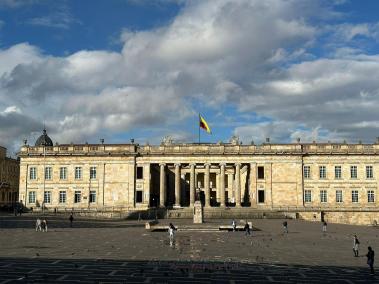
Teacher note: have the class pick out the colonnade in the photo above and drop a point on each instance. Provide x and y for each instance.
(192, 185)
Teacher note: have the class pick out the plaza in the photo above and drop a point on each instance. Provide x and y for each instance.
(115, 251)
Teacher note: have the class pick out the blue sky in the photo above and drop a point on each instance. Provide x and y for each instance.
(144, 69)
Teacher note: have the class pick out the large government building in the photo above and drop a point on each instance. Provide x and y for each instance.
(9, 178)
(311, 180)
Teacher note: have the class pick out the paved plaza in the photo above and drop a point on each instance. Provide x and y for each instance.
(114, 251)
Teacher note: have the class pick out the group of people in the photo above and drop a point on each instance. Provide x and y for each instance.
(41, 225)
(370, 254)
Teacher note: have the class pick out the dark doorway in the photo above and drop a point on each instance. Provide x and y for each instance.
(261, 196)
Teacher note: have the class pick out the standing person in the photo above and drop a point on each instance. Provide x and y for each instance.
(234, 225)
(44, 225)
(370, 259)
(38, 225)
(171, 229)
(71, 219)
(247, 229)
(324, 225)
(356, 246)
(285, 227)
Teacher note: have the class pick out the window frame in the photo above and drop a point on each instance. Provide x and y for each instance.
(47, 197)
(307, 172)
(369, 172)
(322, 172)
(353, 172)
(323, 196)
(32, 196)
(63, 173)
(77, 196)
(307, 196)
(338, 172)
(78, 173)
(33, 173)
(370, 196)
(62, 193)
(93, 172)
(339, 196)
(354, 193)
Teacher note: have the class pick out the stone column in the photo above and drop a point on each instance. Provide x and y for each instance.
(253, 184)
(177, 185)
(162, 186)
(222, 185)
(206, 186)
(238, 185)
(192, 185)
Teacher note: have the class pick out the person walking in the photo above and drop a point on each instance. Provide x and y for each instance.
(38, 225)
(285, 227)
(370, 259)
(356, 246)
(247, 229)
(71, 218)
(234, 225)
(324, 225)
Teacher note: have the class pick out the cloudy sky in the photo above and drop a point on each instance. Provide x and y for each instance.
(144, 69)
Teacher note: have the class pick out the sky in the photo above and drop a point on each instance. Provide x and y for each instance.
(145, 69)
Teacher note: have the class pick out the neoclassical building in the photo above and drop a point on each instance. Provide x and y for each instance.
(9, 179)
(307, 179)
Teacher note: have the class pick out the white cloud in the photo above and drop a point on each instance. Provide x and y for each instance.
(255, 55)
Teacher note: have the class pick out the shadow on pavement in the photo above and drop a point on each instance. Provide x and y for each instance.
(38, 270)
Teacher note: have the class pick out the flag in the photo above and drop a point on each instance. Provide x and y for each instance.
(204, 124)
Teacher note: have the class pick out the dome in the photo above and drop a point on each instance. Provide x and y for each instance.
(44, 140)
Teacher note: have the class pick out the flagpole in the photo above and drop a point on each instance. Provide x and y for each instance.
(199, 127)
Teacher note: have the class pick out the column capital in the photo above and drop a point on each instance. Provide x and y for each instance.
(222, 164)
(237, 164)
(177, 164)
(192, 164)
(207, 164)
(162, 164)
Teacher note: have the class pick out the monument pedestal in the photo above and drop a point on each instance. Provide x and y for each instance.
(197, 213)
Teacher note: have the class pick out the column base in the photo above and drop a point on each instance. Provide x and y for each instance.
(176, 206)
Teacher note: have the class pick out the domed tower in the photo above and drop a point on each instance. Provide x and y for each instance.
(44, 140)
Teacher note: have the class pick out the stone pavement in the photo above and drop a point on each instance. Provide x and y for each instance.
(110, 251)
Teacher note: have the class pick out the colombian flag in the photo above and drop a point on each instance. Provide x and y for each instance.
(204, 124)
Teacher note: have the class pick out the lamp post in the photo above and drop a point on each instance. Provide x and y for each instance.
(44, 174)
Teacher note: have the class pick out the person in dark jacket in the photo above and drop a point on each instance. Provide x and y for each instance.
(370, 259)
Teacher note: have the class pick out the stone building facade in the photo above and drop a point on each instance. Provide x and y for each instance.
(9, 179)
(338, 181)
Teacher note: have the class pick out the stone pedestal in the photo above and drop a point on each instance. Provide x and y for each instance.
(197, 213)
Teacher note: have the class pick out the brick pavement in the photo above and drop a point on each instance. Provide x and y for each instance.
(104, 251)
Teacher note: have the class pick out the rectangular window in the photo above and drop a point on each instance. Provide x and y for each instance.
(261, 196)
(261, 172)
(139, 172)
(63, 173)
(92, 173)
(338, 196)
(139, 196)
(33, 173)
(307, 196)
(354, 196)
(307, 172)
(48, 171)
(32, 197)
(92, 196)
(353, 171)
(337, 172)
(323, 196)
(47, 198)
(78, 196)
(78, 173)
(62, 196)
(369, 172)
(370, 196)
(322, 172)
